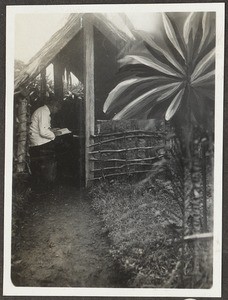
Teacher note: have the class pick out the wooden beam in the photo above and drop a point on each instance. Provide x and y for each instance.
(58, 79)
(117, 37)
(88, 40)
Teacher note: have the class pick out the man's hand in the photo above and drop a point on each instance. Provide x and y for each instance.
(56, 131)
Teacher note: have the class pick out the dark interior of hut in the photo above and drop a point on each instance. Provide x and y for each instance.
(72, 114)
(70, 147)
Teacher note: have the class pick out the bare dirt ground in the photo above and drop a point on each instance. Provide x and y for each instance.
(60, 243)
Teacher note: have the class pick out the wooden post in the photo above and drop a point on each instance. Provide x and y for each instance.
(58, 79)
(88, 40)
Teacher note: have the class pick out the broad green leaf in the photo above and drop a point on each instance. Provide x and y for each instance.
(190, 49)
(137, 105)
(203, 64)
(121, 87)
(192, 24)
(172, 34)
(135, 90)
(172, 109)
(192, 33)
(205, 78)
(158, 109)
(150, 62)
(205, 50)
(151, 42)
(143, 112)
(208, 30)
(169, 92)
(117, 91)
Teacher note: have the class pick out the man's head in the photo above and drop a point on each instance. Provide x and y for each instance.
(54, 105)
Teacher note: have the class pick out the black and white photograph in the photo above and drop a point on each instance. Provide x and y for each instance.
(113, 150)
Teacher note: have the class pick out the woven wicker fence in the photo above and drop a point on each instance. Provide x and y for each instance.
(126, 148)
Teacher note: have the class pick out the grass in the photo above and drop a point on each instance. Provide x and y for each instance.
(144, 229)
(143, 223)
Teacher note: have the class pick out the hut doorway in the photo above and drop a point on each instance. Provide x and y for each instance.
(69, 85)
(70, 147)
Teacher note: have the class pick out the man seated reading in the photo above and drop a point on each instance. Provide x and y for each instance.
(42, 145)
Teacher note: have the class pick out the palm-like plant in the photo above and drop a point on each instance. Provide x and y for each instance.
(175, 69)
(171, 76)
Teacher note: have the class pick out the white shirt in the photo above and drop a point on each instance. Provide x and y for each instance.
(39, 131)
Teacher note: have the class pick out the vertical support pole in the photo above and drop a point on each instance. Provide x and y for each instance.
(89, 95)
(58, 79)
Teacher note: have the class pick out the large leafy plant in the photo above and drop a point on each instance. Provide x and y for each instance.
(172, 76)
(173, 72)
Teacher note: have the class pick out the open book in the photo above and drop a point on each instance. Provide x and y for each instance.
(64, 131)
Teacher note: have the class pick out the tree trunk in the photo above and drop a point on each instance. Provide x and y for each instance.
(190, 137)
(196, 178)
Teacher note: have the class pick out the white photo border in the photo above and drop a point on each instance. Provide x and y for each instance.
(215, 291)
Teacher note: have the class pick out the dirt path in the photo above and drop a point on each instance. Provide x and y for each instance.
(61, 244)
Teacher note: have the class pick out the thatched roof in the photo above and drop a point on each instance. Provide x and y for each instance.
(63, 36)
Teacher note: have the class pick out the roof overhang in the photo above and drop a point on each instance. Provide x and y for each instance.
(62, 37)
